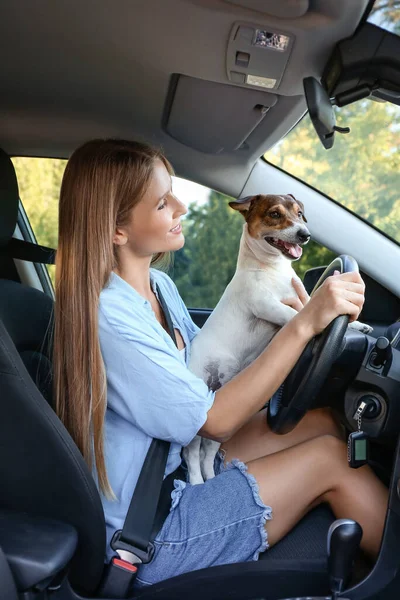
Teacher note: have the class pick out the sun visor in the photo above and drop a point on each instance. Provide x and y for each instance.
(284, 9)
(213, 117)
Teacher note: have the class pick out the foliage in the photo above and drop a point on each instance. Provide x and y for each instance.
(206, 264)
(386, 13)
(361, 171)
(39, 182)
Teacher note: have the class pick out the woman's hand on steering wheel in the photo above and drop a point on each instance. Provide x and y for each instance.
(338, 295)
(323, 320)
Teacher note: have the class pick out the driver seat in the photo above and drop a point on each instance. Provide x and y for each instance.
(43, 475)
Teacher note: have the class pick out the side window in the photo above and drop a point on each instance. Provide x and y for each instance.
(204, 266)
(39, 182)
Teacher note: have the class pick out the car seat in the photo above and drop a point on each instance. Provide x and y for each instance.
(44, 478)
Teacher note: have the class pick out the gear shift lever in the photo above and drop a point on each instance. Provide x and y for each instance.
(344, 537)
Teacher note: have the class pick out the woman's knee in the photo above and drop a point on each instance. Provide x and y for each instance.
(326, 423)
(307, 471)
(331, 452)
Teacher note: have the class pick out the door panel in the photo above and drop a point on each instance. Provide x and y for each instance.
(200, 315)
(8, 590)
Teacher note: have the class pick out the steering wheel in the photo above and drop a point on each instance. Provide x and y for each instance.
(289, 405)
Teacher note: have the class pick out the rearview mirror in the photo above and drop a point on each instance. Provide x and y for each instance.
(321, 112)
(364, 65)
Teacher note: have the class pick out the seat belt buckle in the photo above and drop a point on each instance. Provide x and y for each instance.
(120, 574)
(130, 553)
(118, 579)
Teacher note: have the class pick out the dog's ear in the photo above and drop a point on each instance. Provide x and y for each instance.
(242, 204)
(301, 206)
(302, 210)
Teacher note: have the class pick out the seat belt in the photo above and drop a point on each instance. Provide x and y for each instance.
(148, 509)
(29, 251)
(23, 250)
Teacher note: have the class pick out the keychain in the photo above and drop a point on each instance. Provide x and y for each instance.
(357, 445)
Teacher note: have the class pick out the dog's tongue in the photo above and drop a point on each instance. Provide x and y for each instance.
(294, 249)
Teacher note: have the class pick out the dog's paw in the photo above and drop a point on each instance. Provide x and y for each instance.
(195, 478)
(208, 473)
(362, 327)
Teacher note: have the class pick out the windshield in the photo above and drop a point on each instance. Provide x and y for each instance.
(386, 14)
(362, 170)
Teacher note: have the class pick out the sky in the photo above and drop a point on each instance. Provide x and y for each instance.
(189, 192)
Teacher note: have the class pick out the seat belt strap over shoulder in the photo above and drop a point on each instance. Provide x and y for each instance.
(133, 543)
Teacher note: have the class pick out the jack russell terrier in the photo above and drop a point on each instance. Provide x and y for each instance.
(250, 310)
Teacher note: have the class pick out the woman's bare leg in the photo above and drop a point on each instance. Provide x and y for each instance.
(294, 480)
(255, 438)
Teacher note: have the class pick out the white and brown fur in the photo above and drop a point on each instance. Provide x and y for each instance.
(250, 310)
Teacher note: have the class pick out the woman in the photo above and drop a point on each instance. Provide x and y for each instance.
(120, 380)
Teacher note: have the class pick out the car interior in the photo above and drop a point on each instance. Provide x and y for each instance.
(216, 84)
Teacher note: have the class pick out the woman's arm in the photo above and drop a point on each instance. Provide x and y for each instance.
(248, 391)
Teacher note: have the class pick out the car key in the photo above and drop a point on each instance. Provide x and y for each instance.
(357, 444)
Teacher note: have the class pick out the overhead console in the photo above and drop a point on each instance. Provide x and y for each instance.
(213, 117)
(257, 55)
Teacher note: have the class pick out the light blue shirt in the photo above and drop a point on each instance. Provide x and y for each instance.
(150, 391)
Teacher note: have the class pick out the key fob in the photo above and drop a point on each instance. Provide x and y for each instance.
(357, 449)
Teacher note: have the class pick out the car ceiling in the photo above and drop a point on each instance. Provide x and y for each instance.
(74, 70)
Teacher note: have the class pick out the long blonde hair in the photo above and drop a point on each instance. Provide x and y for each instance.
(103, 181)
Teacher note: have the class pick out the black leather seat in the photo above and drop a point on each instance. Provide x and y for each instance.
(8, 588)
(43, 474)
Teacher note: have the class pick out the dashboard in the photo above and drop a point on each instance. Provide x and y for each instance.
(368, 370)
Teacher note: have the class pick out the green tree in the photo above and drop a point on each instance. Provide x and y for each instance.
(39, 182)
(207, 262)
(361, 171)
(386, 13)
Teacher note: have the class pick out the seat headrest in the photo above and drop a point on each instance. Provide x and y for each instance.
(9, 198)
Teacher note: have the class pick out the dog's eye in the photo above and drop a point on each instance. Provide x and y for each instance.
(274, 214)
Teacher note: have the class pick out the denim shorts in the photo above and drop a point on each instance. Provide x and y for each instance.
(221, 521)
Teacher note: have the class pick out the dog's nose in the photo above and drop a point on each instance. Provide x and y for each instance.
(303, 236)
